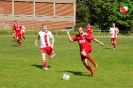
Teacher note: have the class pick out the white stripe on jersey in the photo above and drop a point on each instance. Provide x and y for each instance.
(45, 40)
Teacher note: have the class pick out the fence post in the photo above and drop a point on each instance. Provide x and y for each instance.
(99, 32)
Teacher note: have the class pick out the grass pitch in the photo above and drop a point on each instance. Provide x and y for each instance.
(21, 67)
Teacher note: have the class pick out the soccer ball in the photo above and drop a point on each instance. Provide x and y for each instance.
(65, 76)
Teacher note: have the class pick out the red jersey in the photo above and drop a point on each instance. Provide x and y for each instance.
(18, 30)
(83, 40)
(89, 29)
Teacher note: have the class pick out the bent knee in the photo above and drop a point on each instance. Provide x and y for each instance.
(83, 53)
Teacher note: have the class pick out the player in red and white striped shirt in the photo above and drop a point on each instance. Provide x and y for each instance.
(113, 34)
(84, 41)
(45, 46)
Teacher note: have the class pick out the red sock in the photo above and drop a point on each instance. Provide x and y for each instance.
(89, 68)
(114, 45)
(44, 63)
(89, 58)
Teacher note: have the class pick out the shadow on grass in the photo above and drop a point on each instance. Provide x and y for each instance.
(39, 66)
(76, 73)
(107, 48)
(15, 45)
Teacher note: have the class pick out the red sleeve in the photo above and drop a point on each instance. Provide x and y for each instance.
(90, 37)
(74, 38)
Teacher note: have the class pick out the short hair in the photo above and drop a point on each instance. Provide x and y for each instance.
(43, 25)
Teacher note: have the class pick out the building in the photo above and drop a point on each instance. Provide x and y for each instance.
(56, 14)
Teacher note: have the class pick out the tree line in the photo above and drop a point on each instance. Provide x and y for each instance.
(102, 13)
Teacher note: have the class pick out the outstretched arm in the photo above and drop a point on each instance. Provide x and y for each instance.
(96, 40)
(36, 42)
(69, 37)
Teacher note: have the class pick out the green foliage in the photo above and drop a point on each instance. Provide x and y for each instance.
(5, 32)
(21, 67)
(104, 13)
(82, 14)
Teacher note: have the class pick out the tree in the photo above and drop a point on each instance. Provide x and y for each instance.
(103, 13)
(82, 14)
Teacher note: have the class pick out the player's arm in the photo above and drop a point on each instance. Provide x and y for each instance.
(110, 31)
(69, 37)
(36, 42)
(52, 43)
(117, 30)
(96, 40)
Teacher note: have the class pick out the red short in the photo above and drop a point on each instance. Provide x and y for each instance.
(19, 36)
(47, 50)
(86, 49)
(113, 39)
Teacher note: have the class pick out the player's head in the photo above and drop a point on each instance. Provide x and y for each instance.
(16, 22)
(44, 27)
(80, 30)
(113, 24)
(88, 24)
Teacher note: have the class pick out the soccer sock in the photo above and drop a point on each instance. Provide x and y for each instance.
(44, 63)
(89, 68)
(114, 45)
(89, 58)
(92, 61)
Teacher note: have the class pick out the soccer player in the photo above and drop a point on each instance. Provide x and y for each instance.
(89, 29)
(45, 46)
(113, 34)
(18, 31)
(84, 40)
(23, 31)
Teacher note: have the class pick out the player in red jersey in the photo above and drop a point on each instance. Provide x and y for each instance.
(18, 31)
(89, 29)
(45, 46)
(113, 34)
(84, 40)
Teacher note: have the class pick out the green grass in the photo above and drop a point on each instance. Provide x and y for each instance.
(21, 67)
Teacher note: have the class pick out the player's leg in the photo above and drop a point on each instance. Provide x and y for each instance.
(89, 58)
(23, 37)
(17, 38)
(84, 60)
(14, 36)
(114, 41)
(50, 52)
(20, 39)
(44, 61)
